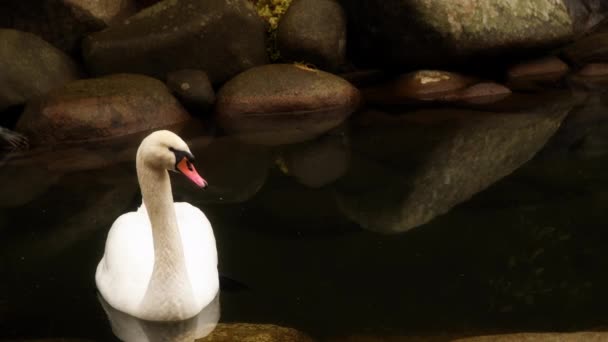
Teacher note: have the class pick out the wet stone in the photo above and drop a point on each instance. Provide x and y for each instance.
(100, 108)
(221, 37)
(284, 103)
(30, 67)
(313, 31)
(193, 88)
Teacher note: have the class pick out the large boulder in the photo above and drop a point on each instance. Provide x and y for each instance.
(284, 103)
(220, 37)
(63, 23)
(437, 32)
(313, 31)
(100, 108)
(424, 163)
(30, 67)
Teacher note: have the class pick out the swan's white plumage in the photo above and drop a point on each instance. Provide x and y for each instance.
(125, 273)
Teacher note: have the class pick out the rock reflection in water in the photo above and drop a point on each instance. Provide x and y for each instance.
(131, 329)
(425, 162)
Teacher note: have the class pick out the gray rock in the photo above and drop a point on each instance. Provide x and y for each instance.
(429, 33)
(97, 108)
(284, 103)
(63, 23)
(424, 163)
(313, 31)
(192, 87)
(30, 67)
(221, 37)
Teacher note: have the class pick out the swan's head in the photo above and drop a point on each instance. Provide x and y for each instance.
(167, 151)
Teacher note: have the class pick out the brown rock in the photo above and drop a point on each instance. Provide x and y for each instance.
(30, 67)
(593, 70)
(99, 108)
(482, 93)
(244, 332)
(284, 103)
(587, 336)
(423, 85)
(552, 66)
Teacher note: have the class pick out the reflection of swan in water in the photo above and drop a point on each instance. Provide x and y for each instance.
(10, 140)
(160, 263)
(131, 329)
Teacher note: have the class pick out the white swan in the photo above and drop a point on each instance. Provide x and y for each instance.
(160, 262)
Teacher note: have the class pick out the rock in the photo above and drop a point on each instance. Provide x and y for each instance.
(192, 87)
(284, 103)
(221, 37)
(589, 49)
(428, 161)
(12, 141)
(482, 93)
(313, 31)
(536, 74)
(587, 336)
(431, 33)
(100, 108)
(30, 67)
(593, 70)
(423, 85)
(107, 12)
(246, 332)
(540, 67)
(319, 162)
(63, 23)
(586, 14)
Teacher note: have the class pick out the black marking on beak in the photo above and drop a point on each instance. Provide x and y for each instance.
(180, 155)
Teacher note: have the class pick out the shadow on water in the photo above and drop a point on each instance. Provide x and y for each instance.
(479, 219)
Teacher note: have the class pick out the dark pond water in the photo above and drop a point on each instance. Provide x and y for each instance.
(365, 230)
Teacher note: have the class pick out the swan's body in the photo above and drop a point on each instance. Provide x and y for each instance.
(160, 262)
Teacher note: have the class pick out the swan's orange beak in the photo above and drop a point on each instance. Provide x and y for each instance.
(186, 167)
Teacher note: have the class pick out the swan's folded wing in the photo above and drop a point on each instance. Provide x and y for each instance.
(129, 255)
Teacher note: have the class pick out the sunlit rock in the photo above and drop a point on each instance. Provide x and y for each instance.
(425, 162)
(284, 103)
(432, 33)
(193, 88)
(313, 31)
(221, 37)
(103, 107)
(318, 162)
(30, 67)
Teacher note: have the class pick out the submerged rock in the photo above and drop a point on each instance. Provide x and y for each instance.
(30, 67)
(437, 32)
(284, 103)
(246, 332)
(192, 87)
(428, 161)
(313, 31)
(99, 108)
(221, 37)
(594, 70)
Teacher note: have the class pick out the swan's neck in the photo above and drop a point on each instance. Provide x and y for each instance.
(169, 284)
